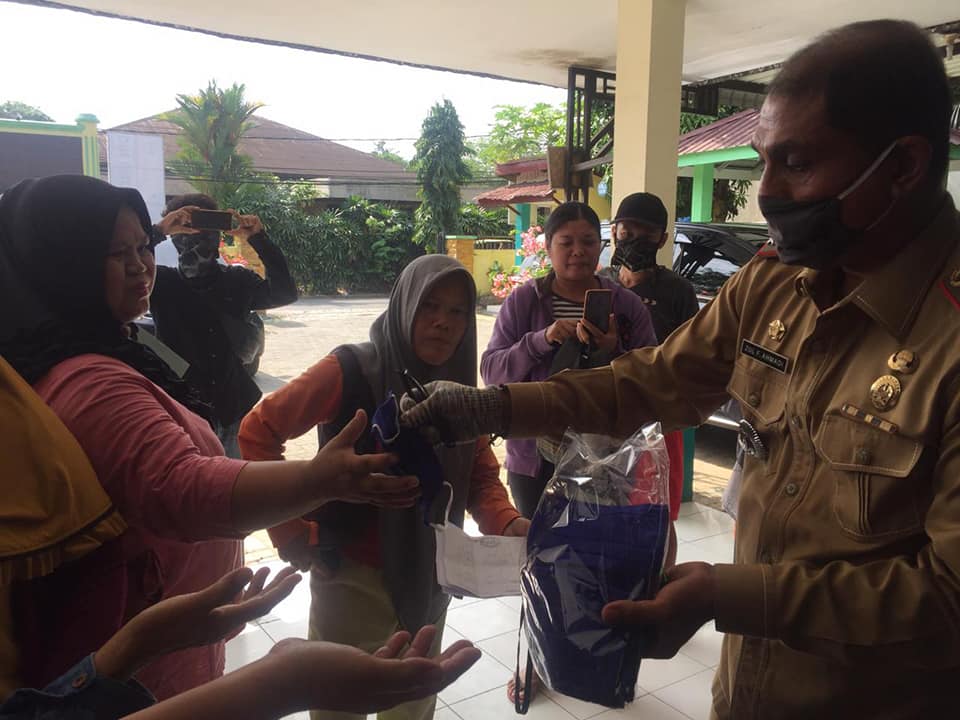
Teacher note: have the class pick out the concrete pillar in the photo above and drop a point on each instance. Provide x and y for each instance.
(701, 207)
(89, 144)
(521, 222)
(647, 112)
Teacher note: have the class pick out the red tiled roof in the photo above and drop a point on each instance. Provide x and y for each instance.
(730, 132)
(516, 193)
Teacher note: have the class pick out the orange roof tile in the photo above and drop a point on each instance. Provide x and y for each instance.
(516, 193)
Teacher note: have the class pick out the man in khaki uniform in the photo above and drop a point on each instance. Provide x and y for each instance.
(843, 347)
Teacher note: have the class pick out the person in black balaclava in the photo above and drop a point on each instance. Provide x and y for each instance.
(204, 310)
(639, 231)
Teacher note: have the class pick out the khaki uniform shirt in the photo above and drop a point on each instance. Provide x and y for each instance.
(844, 599)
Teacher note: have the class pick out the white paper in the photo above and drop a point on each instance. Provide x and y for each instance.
(485, 567)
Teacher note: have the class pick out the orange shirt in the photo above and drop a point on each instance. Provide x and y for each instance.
(314, 398)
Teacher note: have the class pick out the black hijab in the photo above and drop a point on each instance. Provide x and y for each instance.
(55, 233)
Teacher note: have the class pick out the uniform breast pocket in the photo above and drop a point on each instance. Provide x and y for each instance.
(762, 397)
(878, 484)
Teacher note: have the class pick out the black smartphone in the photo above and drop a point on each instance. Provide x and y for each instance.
(211, 220)
(596, 308)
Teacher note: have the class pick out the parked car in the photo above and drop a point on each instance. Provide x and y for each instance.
(707, 254)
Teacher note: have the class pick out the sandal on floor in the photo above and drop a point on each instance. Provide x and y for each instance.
(512, 688)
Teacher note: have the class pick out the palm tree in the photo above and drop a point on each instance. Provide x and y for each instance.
(213, 121)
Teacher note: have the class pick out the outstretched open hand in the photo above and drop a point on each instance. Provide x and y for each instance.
(200, 618)
(339, 473)
(346, 679)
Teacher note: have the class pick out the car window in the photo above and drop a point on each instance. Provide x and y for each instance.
(705, 267)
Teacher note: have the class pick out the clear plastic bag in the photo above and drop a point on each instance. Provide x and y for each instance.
(599, 534)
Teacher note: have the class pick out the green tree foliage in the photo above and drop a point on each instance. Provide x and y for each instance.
(729, 196)
(382, 151)
(361, 246)
(15, 110)
(441, 171)
(475, 220)
(212, 123)
(521, 132)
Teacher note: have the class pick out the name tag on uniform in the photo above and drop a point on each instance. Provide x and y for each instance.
(778, 362)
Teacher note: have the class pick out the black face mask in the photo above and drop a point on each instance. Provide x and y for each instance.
(811, 233)
(197, 253)
(635, 256)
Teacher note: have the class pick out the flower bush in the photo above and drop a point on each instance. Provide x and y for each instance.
(231, 255)
(535, 264)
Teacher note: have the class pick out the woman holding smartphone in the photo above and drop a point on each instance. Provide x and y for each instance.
(542, 328)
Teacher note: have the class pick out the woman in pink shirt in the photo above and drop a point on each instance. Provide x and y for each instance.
(76, 267)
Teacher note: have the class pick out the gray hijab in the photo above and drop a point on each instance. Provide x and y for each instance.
(407, 545)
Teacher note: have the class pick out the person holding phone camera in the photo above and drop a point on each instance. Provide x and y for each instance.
(541, 329)
(205, 311)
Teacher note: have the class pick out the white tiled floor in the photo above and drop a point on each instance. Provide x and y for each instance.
(676, 689)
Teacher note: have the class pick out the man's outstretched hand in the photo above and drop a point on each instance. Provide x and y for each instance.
(453, 412)
(682, 606)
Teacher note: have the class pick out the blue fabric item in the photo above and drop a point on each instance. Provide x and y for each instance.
(78, 694)
(582, 555)
(416, 455)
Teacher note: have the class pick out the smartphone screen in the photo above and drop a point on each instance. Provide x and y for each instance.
(211, 220)
(596, 308)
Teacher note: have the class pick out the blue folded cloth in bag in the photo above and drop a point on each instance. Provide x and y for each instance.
(416, 455)
(582, 555)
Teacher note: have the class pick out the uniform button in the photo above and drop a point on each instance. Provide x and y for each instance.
(80, 680)
(797, 421)
(791, 489)
(753, 399)
(864, 456)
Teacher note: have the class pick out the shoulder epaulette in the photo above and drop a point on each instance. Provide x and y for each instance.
(950, 285)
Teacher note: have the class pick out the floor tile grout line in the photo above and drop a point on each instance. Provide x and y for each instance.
(670, 705)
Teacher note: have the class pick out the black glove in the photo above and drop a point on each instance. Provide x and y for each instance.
(454, 412)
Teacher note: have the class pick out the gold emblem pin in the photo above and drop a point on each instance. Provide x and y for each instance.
(955, 278)
(776, 330)
(885, 392)
(903, 361)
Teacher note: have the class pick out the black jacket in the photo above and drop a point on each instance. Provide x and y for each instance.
(189, 317)
(670, 298)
